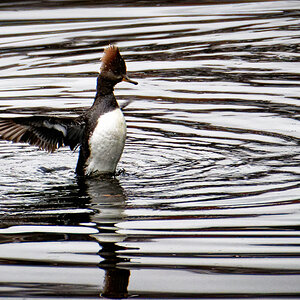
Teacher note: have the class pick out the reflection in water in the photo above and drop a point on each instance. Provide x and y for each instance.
(97, 205)
(107, 197)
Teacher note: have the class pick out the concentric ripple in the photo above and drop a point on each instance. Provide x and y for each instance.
(206, 203)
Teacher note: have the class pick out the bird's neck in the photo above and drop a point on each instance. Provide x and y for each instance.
(104, 86)
(105, 100)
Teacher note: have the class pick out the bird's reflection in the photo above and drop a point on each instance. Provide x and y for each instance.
(107, 198)
(98, 204)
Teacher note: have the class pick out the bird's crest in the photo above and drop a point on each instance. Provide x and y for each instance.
(111, 58)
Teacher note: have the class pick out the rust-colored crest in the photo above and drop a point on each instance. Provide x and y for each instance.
(110, 54)
(112, 59)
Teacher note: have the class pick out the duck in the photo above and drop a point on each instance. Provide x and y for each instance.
(99, 132)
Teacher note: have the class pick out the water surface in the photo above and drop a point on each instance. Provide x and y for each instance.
(207, 201)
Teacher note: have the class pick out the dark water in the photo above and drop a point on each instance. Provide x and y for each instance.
(208, 205)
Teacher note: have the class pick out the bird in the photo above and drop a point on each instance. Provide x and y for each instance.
(99, 132)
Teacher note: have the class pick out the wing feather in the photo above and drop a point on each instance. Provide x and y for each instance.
(48, 133)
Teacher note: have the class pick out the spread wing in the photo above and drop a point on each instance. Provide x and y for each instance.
(48, 133)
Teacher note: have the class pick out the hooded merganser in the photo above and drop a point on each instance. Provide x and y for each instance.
(99, 133)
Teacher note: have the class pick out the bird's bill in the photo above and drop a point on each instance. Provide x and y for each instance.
(127, 79)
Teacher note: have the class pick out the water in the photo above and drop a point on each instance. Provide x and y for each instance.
(207, 205)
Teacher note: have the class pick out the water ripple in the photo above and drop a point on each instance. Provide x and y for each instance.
(208, 193)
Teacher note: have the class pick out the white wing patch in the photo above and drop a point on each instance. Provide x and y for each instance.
(57, 127)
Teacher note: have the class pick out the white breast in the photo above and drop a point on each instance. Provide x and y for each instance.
(107, 143)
